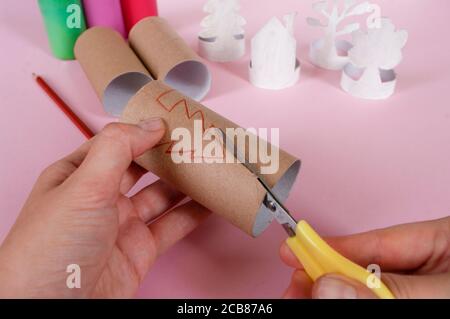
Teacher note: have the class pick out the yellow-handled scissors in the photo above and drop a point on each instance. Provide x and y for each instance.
(316, 256)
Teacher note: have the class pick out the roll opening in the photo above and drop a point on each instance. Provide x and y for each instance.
(191, 78)
(282, 189)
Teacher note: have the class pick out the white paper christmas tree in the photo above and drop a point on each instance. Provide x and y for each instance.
(222, 37)
(274, 64)
(375, 53)
(325, 52)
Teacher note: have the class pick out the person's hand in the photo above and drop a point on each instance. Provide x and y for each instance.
(78, 213)
(414, 260)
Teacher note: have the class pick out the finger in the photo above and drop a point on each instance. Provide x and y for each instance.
(155, 199)
(288, 257)
(405, 247)
(58, 172)
(419, 286)
(137, 244)
(131, 177)
(338, 287)
(300, 287)
(176, 224)
(112, 152)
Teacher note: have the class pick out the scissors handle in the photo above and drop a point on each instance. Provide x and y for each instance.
(319, 259)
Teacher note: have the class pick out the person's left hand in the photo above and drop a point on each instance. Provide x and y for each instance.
(78, 213)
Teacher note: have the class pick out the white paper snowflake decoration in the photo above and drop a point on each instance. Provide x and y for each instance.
(274, 64)
(370, 72)
(330, 52)
(223, 36)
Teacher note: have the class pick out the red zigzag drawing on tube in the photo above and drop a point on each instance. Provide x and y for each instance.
(182, 103)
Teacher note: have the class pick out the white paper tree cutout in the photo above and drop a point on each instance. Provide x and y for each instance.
(370, 72)
(274, 64)
(330, 51)
(223, 36)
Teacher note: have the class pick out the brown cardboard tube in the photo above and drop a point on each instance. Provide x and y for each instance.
(126, 88)
(169, 58)
(113, 69)
(229, 190)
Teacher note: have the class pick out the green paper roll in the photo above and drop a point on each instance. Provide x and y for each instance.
(64, 21)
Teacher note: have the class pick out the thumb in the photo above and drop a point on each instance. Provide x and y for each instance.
(402, 286)
(339, 287)
(419, 286)
(113, 151)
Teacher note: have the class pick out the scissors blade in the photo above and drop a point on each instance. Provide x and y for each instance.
(271, 201)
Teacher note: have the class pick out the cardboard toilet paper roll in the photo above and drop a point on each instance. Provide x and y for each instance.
(117, 71)
(227, 189)
(169, 58)
(105, 13)
(113, 69)
(126, 87)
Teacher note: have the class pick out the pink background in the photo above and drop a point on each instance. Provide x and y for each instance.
(365, 164)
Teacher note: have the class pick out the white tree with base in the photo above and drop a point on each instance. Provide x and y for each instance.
(223, 36)
(325, 52)
(370, 73)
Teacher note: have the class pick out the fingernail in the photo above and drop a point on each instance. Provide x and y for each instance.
(333, 288)
(151, 125)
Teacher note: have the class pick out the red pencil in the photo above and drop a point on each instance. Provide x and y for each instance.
(64, 107)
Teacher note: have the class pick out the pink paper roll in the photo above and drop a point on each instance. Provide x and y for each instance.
(136, 10)
(105, 13)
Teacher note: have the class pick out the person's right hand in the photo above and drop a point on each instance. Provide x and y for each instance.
(414, 260)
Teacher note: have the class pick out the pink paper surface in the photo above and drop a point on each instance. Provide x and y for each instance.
(105, 13)
(365, 164)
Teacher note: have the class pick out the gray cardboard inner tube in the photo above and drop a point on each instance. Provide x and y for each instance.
(265, 217)
(192, 78)
(122, 89)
